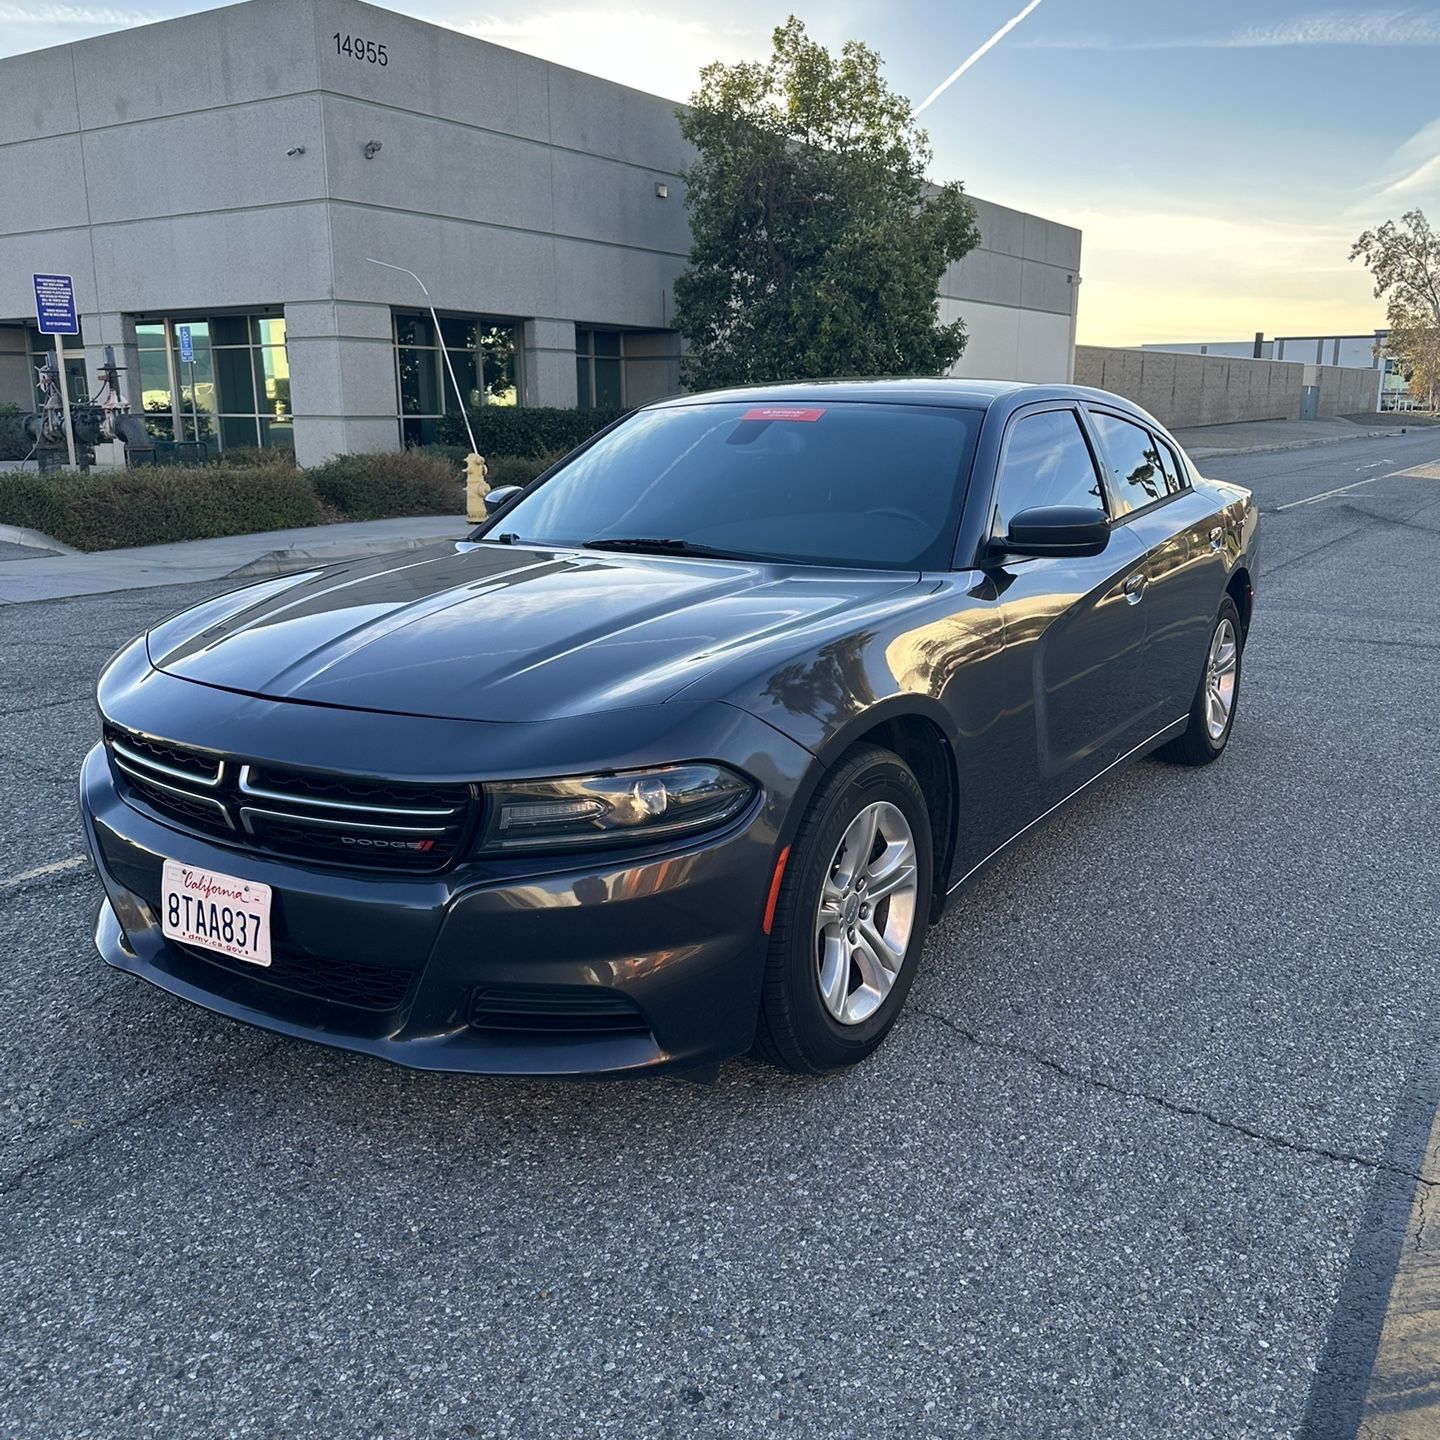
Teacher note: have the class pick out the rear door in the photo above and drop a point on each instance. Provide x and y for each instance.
(1074, 635)
(1180, 532)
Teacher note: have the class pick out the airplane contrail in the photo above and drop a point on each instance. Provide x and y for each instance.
(990, 44)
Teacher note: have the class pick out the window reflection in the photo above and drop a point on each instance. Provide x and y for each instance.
(234, 391)
(599, 369)
(481, 352)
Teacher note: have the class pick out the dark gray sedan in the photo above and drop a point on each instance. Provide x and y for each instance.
(682, 751)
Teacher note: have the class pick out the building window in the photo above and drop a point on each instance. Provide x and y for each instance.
(236, 390)
(73, 348)
(482, 352)
(600, 369)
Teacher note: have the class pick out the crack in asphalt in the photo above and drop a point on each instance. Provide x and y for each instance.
(1175, 1107)
(1404, 522)
(45, 705)
(16, 1179)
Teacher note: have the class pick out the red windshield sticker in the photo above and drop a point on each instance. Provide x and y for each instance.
(783, 412)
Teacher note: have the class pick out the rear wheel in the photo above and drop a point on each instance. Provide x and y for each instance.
(851, 917)
(1212, 713)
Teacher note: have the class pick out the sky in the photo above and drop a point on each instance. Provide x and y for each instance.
(1220, 158)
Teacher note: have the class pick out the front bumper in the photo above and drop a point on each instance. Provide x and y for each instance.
(668, 946)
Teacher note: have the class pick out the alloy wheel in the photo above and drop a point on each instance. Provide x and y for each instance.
(1221, 670)
(866, 915)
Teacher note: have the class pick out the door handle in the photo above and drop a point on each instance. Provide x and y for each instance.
(1135, 587)
(1217, 537)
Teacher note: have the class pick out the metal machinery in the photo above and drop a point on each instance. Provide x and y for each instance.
(103, 418)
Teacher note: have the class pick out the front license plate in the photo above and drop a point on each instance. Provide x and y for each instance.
(220, 912)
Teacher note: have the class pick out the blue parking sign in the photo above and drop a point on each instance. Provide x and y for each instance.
(187, 346)
(55, 305)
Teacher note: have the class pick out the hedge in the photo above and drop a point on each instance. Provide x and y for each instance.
(107, 510)
(378, 486)
(525, 429)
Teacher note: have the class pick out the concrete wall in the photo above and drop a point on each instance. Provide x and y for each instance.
(1017, 292)
(1345, 389)
(1181, 390)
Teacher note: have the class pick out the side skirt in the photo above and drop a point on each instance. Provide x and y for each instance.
(1129, 757)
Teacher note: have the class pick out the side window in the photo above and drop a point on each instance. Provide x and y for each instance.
(1170, 463)
(1047, 462)
(1137, 475)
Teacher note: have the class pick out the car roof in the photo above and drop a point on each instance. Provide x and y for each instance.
(914, 390)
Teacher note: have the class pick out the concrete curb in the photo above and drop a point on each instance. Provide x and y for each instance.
(304, 557)
(34, 540)
(1204, 452)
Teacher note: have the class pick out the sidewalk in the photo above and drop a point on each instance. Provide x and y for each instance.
(30, 573)
(1253, 437)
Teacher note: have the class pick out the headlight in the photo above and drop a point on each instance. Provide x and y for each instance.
(633, 807)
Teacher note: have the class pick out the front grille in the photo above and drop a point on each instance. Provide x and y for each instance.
(332, 819)
(320, 977)
(556, 1010)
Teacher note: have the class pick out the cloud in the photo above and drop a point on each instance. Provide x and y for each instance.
(644, 49)
(1413, 171)
(72, 15)
(1389, 27)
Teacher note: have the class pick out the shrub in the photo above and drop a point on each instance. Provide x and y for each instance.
(111, 509)
(525, 429)
(250, 457)
(377, 486)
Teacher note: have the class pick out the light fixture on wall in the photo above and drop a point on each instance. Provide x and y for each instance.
(662, 190)
(372, 149)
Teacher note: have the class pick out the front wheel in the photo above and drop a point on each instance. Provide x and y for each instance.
(1212, 713)
(850, 921)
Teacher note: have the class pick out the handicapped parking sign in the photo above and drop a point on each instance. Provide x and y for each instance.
(187, 346)
(55, 305)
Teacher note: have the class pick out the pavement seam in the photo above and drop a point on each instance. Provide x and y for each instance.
(16, 1179)
(1175, 1107)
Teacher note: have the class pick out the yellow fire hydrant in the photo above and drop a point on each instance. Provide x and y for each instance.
(477, 487)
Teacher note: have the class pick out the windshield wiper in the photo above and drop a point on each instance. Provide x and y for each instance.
(644, 544)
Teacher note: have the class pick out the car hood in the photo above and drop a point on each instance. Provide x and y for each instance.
(500, 632)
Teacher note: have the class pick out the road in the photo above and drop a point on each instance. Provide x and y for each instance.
(1135, 1162)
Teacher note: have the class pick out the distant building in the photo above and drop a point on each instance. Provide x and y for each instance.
(1354, 352)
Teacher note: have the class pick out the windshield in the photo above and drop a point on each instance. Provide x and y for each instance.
(832, 484)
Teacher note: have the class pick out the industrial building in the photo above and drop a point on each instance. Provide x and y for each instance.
(234, 172)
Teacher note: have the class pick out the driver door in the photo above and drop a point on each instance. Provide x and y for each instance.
(1075, 629)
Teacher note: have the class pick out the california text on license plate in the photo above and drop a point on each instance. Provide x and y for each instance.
(220, 912)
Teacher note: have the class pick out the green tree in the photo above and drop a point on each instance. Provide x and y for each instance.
(817, 243)
(1404, 258)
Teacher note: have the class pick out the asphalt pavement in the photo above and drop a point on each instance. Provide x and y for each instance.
(1111, 1176)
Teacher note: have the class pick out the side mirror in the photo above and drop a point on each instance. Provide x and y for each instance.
(1058, 530)
(496, 500)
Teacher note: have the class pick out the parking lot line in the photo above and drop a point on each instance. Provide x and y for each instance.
(41, 870)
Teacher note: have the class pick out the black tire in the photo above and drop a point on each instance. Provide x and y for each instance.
(1195, 745)
(796, 1031)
